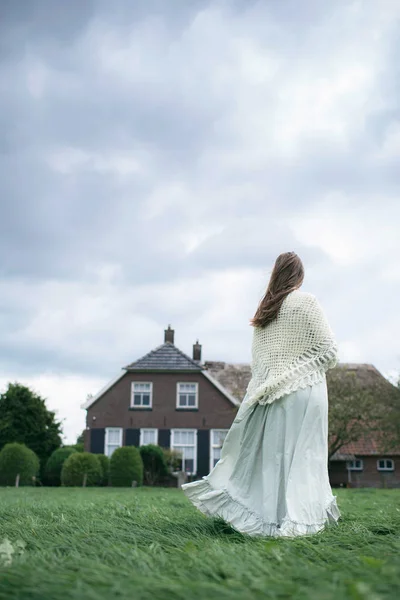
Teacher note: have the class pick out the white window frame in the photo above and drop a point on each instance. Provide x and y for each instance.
(385, 468)
(172, 445)
(351, 466)
(141, 406)
(142, 435)
(213, 446)
(195, 383)
(106, 442)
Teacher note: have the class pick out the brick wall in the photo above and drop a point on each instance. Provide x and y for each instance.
(368, 477)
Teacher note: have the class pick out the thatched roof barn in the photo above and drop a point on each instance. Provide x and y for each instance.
(236, 376)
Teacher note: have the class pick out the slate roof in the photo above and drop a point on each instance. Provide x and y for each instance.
(165, 358)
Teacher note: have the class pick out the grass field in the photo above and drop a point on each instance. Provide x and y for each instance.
(151, 544)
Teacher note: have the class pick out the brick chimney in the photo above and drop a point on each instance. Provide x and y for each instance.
(169, 335)
(197, 351)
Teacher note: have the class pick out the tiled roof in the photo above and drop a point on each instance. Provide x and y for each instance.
(367, 446)
(165, 358)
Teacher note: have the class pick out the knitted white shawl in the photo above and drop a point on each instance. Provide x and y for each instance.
(291, 352)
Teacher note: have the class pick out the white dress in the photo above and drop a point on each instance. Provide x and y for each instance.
(272, 477)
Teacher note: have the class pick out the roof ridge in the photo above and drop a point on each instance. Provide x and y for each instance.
(170, 350)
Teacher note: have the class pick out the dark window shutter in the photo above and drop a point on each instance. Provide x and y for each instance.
(97, 439)
(203, 452)
(132, 437)
(164, 438)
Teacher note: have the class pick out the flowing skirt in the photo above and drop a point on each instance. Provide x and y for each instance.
(272, 477)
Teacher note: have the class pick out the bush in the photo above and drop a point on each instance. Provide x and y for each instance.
(77, 465)
(105, 467)
(126, 465)
(79, 447)
(55, 464)
(154, 463)
(173, 459)
(18, 459)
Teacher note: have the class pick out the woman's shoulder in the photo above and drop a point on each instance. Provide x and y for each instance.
(299, 297)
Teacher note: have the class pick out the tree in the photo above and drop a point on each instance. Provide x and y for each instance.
(55, 464)
(17, 460)
(24, 418)
(391, 421)
(126, 466)
(81, 468)
(154, 464)
(362, 403)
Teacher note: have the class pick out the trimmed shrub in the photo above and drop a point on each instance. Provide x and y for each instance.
(173, 459)
(18, 459)
(105, 466)
(77, 465)
(55, 464)
(79, 447)
(154, 463)
(126, 465)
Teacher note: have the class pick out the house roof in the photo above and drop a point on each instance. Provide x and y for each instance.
(234, 377)
(365, 446)
(165, 358)
(367, 376)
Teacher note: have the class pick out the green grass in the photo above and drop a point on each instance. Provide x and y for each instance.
(152, 544)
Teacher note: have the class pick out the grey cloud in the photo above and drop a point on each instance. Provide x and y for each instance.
(67, 225)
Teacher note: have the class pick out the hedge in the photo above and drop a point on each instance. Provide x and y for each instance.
(55, 464)
(18, 459)
(126, 466)
(105, 466)
(154, 463)
(81, 468)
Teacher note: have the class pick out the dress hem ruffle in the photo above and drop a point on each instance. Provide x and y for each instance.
(220, 503)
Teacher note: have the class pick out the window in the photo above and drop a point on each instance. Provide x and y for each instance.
(185, 442)
(355, 465)
(142, 395)
(217, 437)
(113, 440)
(148, 436)
(385, 464)
(187, 395)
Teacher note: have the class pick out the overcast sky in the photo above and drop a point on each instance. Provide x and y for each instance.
(156, 157)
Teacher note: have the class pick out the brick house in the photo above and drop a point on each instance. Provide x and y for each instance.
(365, 463)
(179, 402)
(164, 398)
(362, 464)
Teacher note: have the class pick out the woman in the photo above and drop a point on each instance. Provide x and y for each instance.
(272, 477)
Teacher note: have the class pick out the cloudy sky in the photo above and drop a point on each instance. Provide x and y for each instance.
(157, 156)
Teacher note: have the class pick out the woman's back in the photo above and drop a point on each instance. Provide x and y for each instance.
(295, 349)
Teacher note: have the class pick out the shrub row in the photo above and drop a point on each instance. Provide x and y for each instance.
(70, 466)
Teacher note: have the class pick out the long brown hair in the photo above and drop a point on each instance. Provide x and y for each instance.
(286, 276)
